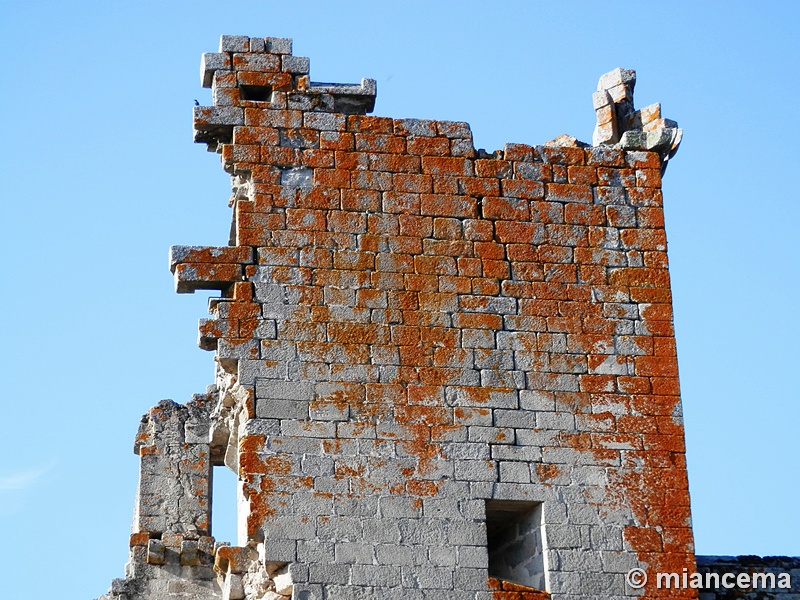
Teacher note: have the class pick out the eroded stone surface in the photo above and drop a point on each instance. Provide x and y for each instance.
(408, 329)
(619, 124)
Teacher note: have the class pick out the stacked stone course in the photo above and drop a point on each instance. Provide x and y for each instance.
(412, 332)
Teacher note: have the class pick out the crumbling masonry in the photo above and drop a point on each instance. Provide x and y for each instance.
(440, 373)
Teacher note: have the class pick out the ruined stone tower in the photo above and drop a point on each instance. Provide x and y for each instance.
(440, 373)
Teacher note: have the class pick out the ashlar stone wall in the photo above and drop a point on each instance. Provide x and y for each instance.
(426, 353)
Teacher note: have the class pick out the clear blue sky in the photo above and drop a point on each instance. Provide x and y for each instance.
(99, 176)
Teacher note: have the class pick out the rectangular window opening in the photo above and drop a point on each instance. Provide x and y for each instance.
(256, 93)
(516, 542)
(223, 506)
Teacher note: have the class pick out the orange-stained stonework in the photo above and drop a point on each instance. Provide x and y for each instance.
(410, 328)
(505, 590)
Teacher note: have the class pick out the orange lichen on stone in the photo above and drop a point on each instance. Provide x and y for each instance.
(505, 590)
(410, 329)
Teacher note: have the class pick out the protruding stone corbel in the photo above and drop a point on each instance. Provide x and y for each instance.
(208, 267)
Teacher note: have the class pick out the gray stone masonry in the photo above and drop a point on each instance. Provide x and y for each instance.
(440, 373)
(172, 553)
(767, 578)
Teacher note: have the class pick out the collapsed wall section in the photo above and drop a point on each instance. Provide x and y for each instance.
(441, 372)
(171, 548)
(420, 328)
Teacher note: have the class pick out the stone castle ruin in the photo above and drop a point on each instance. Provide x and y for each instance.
(441, 373)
